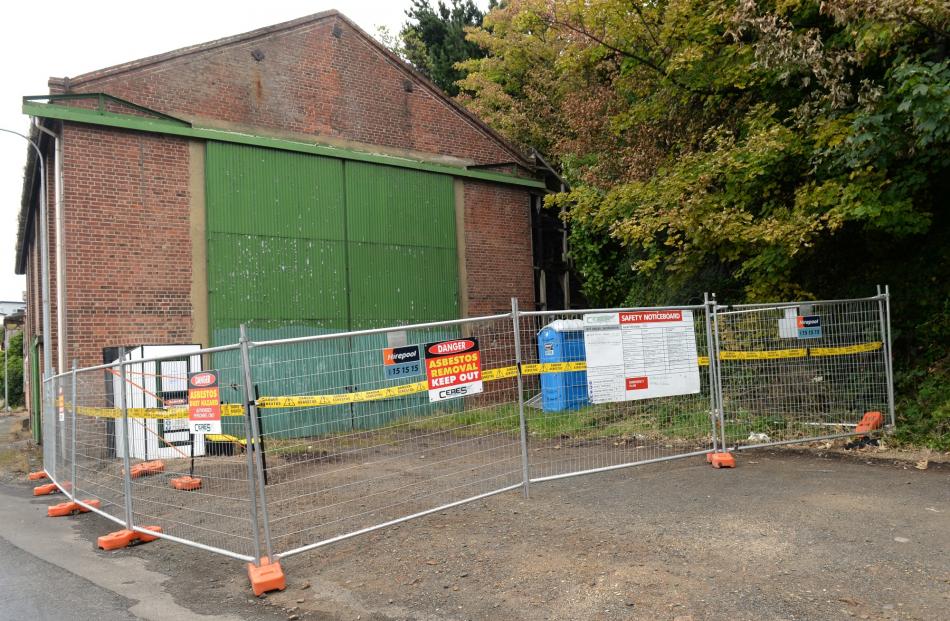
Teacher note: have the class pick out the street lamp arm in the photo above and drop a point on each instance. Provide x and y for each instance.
(44, 255)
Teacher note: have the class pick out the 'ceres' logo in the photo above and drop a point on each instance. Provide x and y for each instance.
(202, 379)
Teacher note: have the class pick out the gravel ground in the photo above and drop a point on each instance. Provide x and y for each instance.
(786, 535)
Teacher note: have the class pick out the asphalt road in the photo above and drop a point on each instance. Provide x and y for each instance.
(49, 570)
(35, 589)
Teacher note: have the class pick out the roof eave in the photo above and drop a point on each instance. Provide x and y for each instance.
(25, 218)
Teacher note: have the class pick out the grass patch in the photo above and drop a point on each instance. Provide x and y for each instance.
(685, 420)
(17, 449)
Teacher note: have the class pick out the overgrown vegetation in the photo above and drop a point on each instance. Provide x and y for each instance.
(762, 150)
(15, 367)
(434, 39)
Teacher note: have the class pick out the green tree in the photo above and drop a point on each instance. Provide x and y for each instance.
(434, 39)
(764, 150)
(15, 366)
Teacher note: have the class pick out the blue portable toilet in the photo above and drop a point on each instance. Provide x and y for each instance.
(562, 341)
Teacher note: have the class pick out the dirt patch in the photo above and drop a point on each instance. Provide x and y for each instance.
(789, 534)
(783, 536)
(882, 451)
(18, 454)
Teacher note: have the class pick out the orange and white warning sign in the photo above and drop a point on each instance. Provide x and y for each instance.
(453, 369)
(204, 402)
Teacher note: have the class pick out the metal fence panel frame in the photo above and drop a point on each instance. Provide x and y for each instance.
(784, 388)
(379, 432)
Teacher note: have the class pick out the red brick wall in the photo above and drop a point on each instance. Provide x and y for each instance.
(128, 245)
(310, 81)
(497, 248)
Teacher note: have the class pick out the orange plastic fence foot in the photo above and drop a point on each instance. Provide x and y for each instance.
(721, 460)
(186, 483)
(43, 490)
(268, 577)
(143, 538)
(117, 540)
(125, 537)
(91, 503)
(68, 508)
(39, 475)
(147, 468)
(870, 422)
(61, 510)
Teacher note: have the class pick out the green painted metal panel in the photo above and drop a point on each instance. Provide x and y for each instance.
(402, 246)
(392, 206)
(403, 268)
(275, 193)
(396, 284)
(276, 255)
(276, 262)
(261, 279)
(301, 245)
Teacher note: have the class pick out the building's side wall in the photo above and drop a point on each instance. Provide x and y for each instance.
(127, 240)
(498, 262)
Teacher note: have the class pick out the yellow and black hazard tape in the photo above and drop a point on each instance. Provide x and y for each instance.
(178, 411)
(488, 375)
(552, 367)
(773, 354)
(845, 350)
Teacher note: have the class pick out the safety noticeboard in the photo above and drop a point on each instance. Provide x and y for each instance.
(640, 355)
(204, 402)
(453, 369)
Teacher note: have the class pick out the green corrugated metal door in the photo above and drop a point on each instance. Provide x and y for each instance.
(403, 267)
(402, 247)
(276, 235)
(301, 244)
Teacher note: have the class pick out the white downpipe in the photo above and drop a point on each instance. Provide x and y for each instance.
(60, 258)
(60, 245)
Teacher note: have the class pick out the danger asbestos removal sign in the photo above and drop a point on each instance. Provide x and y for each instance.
(453, 369)
(204, 402)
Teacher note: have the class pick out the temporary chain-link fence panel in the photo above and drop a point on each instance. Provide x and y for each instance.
(196, 487)
(98, 465)
(615, 387)
(800, 371)
(60, 387)
(327, 437)
(352, 437)
(49, 432)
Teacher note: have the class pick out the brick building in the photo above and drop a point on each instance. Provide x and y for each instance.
(298, 178)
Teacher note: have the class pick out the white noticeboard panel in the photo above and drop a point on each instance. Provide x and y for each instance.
(788, 325)
(640, 355)
(153, 438)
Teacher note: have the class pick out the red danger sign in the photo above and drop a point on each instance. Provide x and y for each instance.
(651, 316)
(204, 402)
(453, 369)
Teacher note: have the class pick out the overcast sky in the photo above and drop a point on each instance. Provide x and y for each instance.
(67, 38)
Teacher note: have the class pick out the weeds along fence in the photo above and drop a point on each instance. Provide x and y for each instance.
(331, 436)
